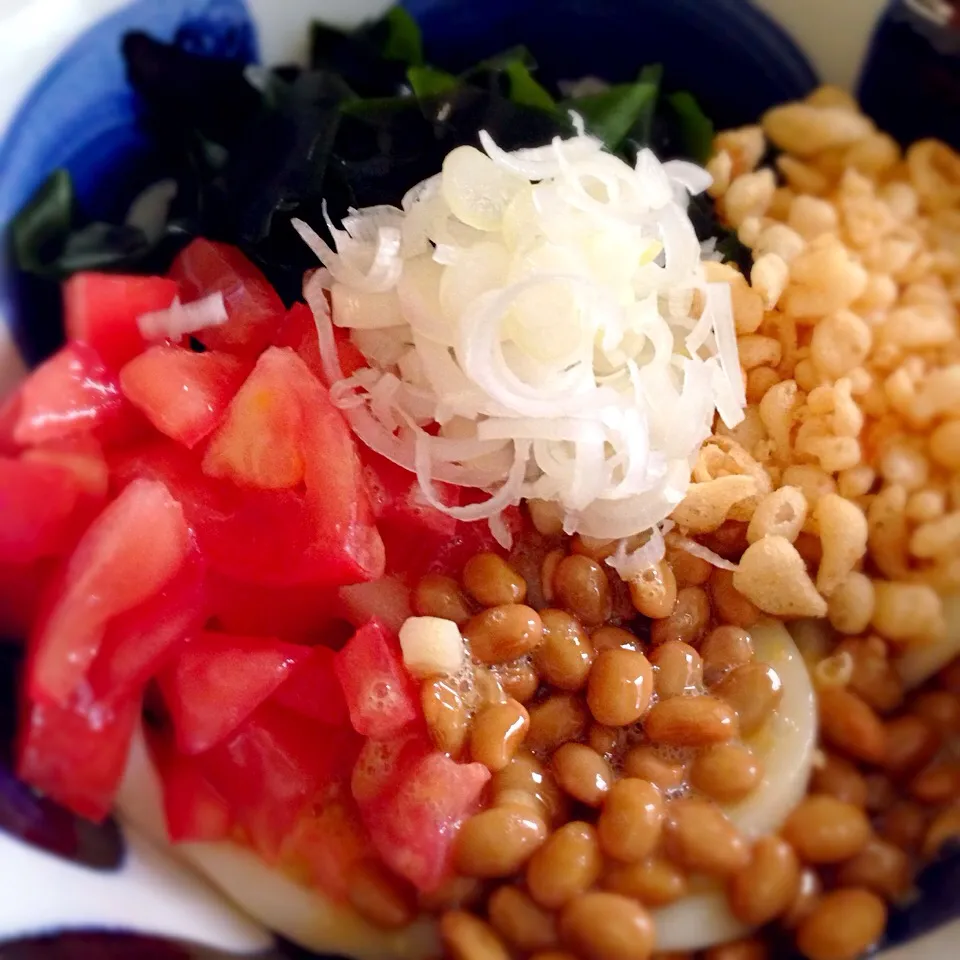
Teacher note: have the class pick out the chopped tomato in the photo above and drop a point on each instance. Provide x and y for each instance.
(381, 696)
(386, 600)
(253, 306)
(298, 331)
(248, 535)
(276, 538)
(101, 309)
(347, 541)
(9, 416)
(399, 503)
(271, 768)
(382, 764)
(260, 443)
(69, 394)
(81, 466)
(137, 644)
(76, 753)
(413, 826)
(217, 681)
(126, 556)
(312, 689)
(261, 536)
(298, 614)
(22, 589)
(192, 808)
(182, 393)
(470, 538)
(37, 504)
(327, 843)
(82, 456)
(409, 557)
(323, 534)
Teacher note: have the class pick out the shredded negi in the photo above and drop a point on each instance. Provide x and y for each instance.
(573, 572)
(548, 311)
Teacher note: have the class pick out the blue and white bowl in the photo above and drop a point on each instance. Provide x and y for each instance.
(71, 890)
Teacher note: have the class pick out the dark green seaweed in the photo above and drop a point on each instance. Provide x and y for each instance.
(250, 148)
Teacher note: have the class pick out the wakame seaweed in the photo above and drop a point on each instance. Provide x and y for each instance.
(251, 147)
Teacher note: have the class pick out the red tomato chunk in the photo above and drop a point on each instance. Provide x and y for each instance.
(321, 531)
(312, 689)
(261, 442)
(37, 502)
(200, 528)
(413, 826)
(271, 768)
(76, 753)
(217, 681)
(253, 307)
(413, 800)
(386, 600)
(69, 394)
(101, 309)
(82, 457)
(182, 393)
(138, 643)
(298, 331)
(381, 764)
(326, 844)
(381, 696)
(23, 587)
(297, 614)
(192, 808)
(399, 502)
(129, 553)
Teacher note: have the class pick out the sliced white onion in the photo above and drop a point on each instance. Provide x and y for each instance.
(702, 330)
(475, 271)
(633, 565)
(384, 269)
(476, 189)
(383, 347)
(363, 310)
(704, 553)
(500, 530)
(421, 191)
(552, 315)
(315, 294)
(364, 225)
(446, 253)
(181, 319)
(539, 163)
(692, 178)
(721, 306)
(419, 297)
(507, 496)
(398, 448)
